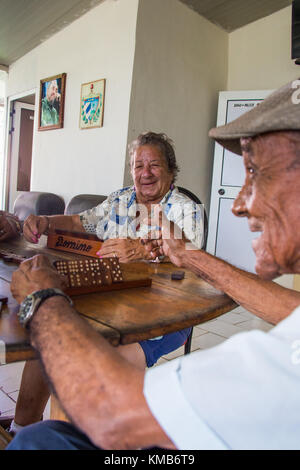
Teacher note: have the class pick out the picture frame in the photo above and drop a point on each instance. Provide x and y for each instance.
(92, 99)
(52, 102)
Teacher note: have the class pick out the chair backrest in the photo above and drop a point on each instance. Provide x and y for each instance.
(187, 192)
(38, 203)
(194, 198)
(83, 202)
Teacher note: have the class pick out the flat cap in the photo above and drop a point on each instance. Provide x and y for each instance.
(280, 111)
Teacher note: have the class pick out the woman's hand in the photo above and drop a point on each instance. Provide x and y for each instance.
(34, 227)
(126, 249)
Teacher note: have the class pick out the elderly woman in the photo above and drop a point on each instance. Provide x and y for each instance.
(122, 221)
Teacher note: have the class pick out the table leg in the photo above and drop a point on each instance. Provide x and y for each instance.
(5, 438)
(56, 411)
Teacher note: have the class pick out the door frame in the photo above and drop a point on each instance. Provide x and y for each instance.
(13, 168)
(6, 165)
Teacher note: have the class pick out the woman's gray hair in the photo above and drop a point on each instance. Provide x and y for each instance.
(161, 141)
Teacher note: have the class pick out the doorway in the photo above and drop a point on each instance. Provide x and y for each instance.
(19, 155)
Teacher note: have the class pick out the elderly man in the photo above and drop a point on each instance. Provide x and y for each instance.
(241, 394)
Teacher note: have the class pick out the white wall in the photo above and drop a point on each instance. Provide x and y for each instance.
(260, 54)
(3, 81)
(98, 45)
(180, 66)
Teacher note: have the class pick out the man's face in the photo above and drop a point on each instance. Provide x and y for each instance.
(52, 91)
(270, 198)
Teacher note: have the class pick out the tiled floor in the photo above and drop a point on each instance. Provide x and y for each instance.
(205, 336)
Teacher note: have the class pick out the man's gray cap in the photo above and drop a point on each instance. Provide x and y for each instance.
(280, 111)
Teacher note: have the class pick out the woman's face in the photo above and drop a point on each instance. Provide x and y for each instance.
(150, 174)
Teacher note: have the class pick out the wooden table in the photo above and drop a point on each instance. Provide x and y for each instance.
(122, 316)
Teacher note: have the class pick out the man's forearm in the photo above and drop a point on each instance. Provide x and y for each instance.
(82, 366)
(267, 299)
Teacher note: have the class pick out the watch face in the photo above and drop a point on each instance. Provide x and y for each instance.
(26, 308)
(32, 302)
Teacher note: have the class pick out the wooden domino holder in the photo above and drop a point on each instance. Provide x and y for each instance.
(56, 243)
(74, 242)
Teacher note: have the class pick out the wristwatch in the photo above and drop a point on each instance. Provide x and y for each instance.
(33, 301)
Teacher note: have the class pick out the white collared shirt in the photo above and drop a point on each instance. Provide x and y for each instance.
(241, 394)
(116, 217)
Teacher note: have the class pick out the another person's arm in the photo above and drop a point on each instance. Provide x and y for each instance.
(81, 365)
(266, 299)
(36, 225)
(10, 226)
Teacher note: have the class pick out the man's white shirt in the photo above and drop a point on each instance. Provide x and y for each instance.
(241, 394)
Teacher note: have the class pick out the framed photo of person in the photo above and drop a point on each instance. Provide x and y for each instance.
(92, 104)
(52, 102)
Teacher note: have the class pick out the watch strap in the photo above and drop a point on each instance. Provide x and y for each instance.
(37, 298)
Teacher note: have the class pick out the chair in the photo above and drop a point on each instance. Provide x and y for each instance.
(188, 343)
(82, 202)
(205, 219)
(38, 203)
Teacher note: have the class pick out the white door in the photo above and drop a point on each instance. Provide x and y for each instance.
(228, 236)
(19, 164)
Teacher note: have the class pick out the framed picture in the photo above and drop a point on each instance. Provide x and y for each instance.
(92, 104)
(52, 101)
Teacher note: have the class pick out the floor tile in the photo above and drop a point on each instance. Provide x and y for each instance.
(10, 376)
(255, 324)
(244, 313)
(238, 309)
(7, 405)
(174, 354)
(208, 340)
(9, 412)
(14, 395)
(161, 361)
(46, 414)
(198, 331)
(233, 318)
(221, 328)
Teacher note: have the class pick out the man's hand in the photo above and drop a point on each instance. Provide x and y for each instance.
(170, 240)
(34, 274)
(126, 249)
(9, 226)
(34, 227)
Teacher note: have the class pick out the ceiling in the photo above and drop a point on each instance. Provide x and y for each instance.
(233, 14)
(24, 24)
